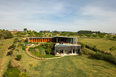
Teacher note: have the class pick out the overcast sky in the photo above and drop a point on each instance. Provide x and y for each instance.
(61, 15)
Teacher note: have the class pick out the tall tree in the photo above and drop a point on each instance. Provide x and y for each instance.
(25, 29)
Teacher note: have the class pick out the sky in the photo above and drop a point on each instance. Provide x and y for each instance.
(60, 15)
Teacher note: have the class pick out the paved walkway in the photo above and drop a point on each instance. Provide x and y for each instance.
(38, 58)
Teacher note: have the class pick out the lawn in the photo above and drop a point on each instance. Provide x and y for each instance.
(49, 56)
(102, 44)
(68, 66)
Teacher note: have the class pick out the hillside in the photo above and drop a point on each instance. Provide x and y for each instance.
(70, 66)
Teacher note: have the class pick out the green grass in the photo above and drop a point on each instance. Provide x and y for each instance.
(3, 51)
(102, 44)
(6, 43)
(49, 56)
(70, 66)
(12, 72)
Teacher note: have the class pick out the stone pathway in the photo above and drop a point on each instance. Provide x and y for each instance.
(38, 58)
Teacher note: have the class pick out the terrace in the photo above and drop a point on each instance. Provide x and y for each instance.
(67, 49)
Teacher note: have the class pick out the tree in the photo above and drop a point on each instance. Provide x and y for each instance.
(88, 35)
(18, 34)
(25, 29)
(101, 35)
(81, 35)
(94, 35)
(114, 37)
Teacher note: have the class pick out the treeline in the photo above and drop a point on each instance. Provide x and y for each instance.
(5, 34)
(88, 32)
(81, 33)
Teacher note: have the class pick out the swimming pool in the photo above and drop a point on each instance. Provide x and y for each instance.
(61, 45)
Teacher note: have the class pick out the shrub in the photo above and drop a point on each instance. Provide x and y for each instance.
(14, 46)
(47, 47)
(88, 52)
(82, 45)
(18, 57)
(106, 57)
(112, 48)
(24, 47)
(17, 49)
(10, 47)
(26, 40)
(114, 38)
(35, 51)
(80, 53)
(42, 51)
(48, 50)
(22, 74)
(11, 72)
(15, 40)
(10, 53)
(30, 65)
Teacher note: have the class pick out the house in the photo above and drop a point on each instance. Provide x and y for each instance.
(63, 45)
(14, 32)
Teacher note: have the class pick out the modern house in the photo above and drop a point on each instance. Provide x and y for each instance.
(63, 45)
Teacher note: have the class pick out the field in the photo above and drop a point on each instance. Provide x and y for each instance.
(68, 66)
(102, 44)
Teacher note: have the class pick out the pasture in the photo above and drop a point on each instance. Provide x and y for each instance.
(102, 44)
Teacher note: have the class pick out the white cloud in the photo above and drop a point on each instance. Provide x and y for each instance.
(96, 11)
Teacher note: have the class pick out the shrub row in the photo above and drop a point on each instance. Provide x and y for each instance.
(88, 52)
(106, 57)
(93, 48)
(98, 54)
